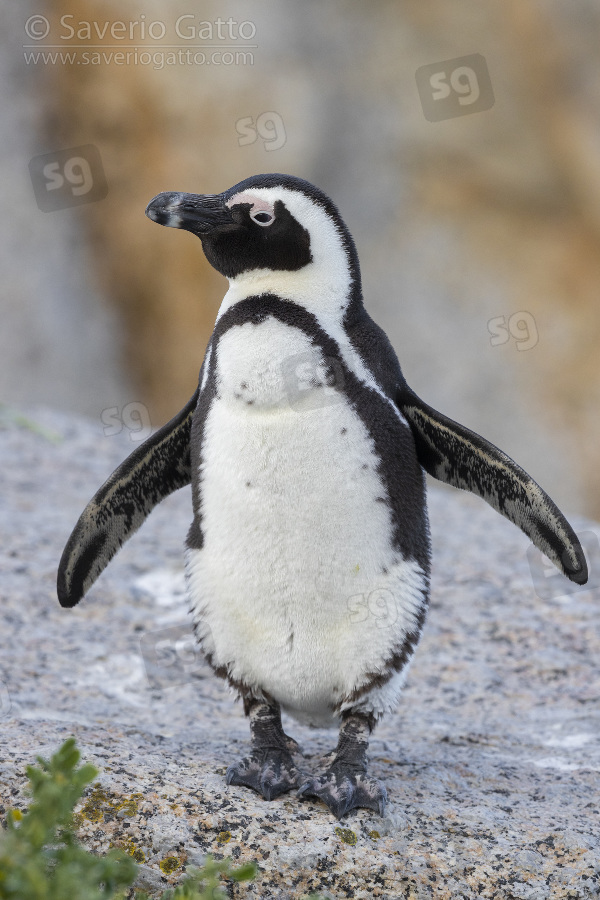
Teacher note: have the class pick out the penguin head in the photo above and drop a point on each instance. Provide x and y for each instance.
(274, 229)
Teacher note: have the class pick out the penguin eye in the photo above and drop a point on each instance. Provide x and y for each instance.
(262, 218)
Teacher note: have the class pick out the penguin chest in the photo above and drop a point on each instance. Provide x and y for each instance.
(297, 588)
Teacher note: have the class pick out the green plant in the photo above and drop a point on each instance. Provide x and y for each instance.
(203, 884)
(11, 415)
(40, 858)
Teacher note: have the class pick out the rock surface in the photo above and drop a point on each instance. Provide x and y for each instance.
(491, 764)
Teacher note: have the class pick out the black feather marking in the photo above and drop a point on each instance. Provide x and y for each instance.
(398, 470)
(460, 457)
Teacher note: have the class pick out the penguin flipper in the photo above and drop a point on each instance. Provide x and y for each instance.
(154, 470)
(460, 457)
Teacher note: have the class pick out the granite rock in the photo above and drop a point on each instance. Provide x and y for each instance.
(491, 763)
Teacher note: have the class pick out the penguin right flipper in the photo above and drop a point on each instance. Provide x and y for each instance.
(154, 470)
(460, 457)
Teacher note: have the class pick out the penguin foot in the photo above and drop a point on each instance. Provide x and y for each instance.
(269, 772)
(343, 789)
(345, 785)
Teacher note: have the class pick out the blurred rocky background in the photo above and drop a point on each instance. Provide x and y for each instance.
(475, 206)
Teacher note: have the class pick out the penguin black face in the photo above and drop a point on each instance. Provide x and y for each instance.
(269, 223)
(240, 232)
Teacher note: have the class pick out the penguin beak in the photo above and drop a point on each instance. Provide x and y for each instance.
(199, 213)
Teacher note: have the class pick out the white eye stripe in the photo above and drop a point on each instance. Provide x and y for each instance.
(261, 210)
(261, 217)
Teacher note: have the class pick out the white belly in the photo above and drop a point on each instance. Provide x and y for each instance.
(297, 589)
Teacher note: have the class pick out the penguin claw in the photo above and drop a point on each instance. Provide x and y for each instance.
(270, 773)
(343, 791)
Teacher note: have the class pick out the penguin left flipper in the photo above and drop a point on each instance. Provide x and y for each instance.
(154, 470)
(460, 457)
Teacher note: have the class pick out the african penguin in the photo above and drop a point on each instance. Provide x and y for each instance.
(306, 452)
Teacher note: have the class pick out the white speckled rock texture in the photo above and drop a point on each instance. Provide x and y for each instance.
(492, 763)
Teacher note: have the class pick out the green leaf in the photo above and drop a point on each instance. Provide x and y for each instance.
(41, 859)
(245, 873)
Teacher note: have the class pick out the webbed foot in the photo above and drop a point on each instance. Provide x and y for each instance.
(342, 790)
(269, 769)
(345, 785)
(269, 772)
